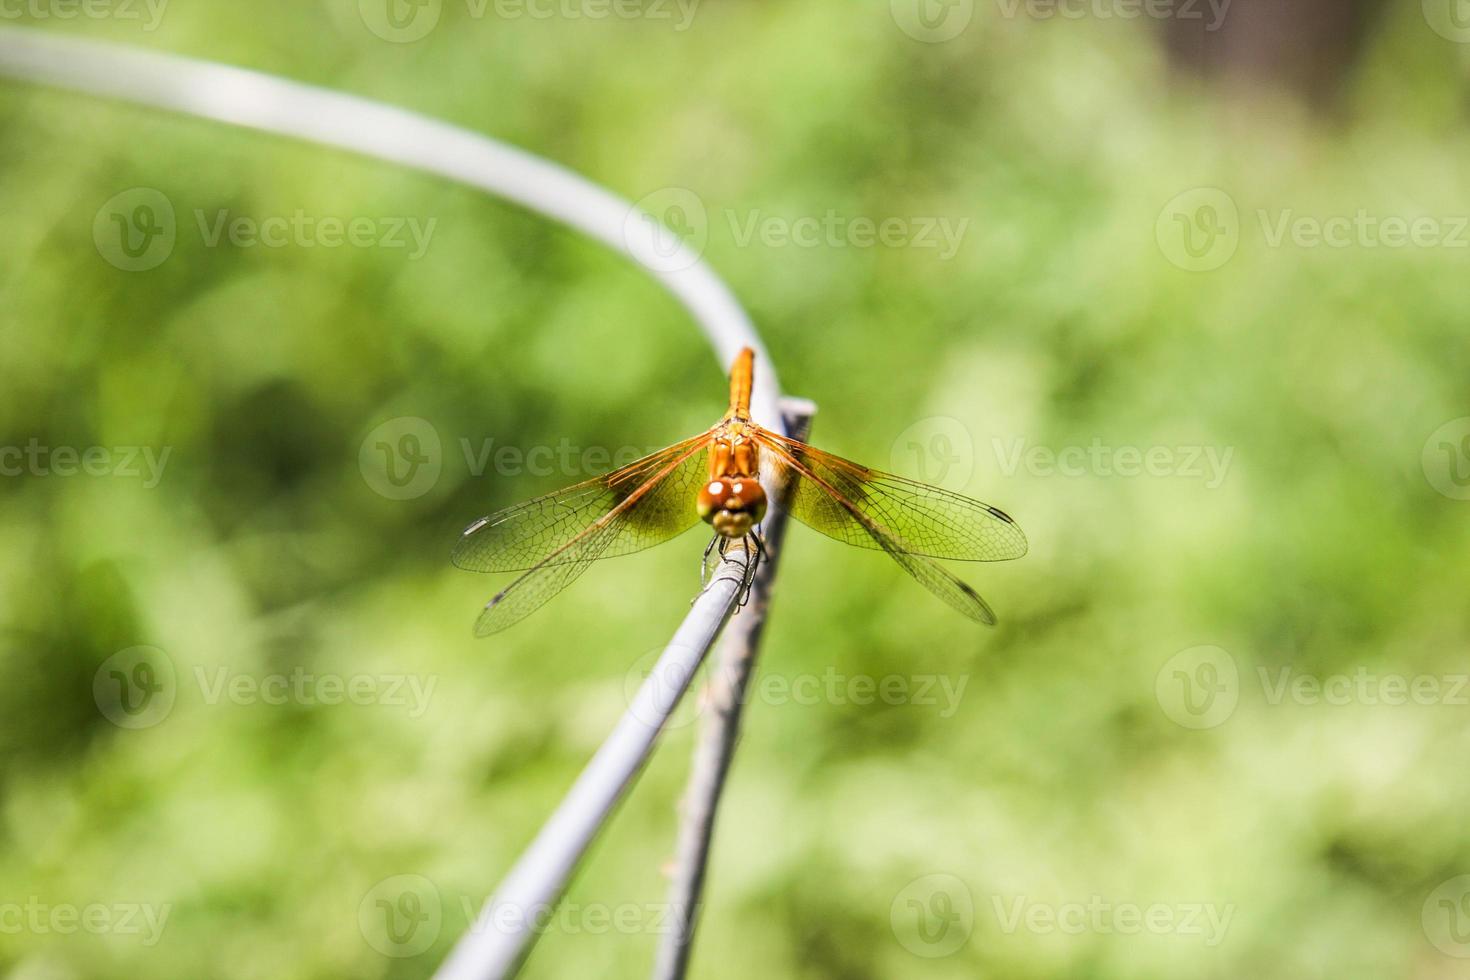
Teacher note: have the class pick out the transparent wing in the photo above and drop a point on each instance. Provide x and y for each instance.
(925, 520)
(520, 537)
(653, 511)
(825, 506)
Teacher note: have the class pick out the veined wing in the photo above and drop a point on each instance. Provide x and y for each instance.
(520, 537)
(825, 507)
(652, 511)
(924, 520)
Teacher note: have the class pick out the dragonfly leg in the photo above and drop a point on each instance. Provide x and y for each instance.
(755, 553)
(704, 563)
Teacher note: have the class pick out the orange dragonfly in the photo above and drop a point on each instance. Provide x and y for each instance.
(715, 476)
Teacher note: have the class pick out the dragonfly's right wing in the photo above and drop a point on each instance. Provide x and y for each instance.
(520, 537)
(651, 510)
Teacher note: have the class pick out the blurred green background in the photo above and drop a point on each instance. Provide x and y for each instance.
(1137, 279)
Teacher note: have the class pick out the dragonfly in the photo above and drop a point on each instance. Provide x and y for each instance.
(717, 477)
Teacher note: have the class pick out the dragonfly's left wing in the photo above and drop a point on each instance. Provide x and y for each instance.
(910, 521)
(652, 511)
(929, 521)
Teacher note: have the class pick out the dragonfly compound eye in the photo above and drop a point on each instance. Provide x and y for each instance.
(732, 506)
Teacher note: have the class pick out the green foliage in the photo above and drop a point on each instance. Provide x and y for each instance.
(1057, 774)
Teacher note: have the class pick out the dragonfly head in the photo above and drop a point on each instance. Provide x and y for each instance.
(732, 506)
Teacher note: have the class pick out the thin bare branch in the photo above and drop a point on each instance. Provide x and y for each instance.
(719, 733)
